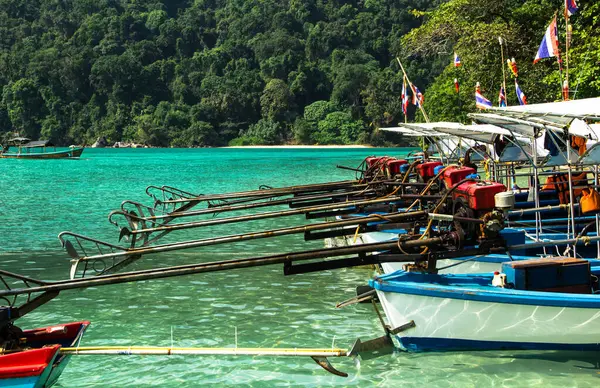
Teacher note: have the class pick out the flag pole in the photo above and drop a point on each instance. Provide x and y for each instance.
(403, 109)
(558, 60)
(413, 90)
(458, 94)
(567, 44)
(501, 41)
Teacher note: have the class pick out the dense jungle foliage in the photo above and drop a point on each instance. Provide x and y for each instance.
(218, 72)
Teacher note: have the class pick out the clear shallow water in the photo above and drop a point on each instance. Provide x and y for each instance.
(39, 199)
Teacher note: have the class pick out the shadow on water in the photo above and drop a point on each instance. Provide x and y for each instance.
(499, 362)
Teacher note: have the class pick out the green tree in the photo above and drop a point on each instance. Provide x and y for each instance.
(338, 128)
(265, 131)
(275, 100)
(25, 106)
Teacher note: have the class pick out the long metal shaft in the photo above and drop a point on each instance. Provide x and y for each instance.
(267, 215)
(268, 203)
(538, 209)
(331, 186)
(196, 268)
(258, 235)
(570, 241)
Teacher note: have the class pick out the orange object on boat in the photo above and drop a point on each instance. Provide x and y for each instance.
(560, 183)
(579, 144)
(590, 201)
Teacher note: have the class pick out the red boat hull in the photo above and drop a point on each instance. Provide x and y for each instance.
(38, 363)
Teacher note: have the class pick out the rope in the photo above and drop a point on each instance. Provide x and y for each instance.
(585, 239)
(431, 182)
(486, 167)
(371, 215)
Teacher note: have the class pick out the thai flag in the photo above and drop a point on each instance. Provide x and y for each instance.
(456, 60)
(456, 86)
(549, 46)
(480, 101)
(570, 7)
(404, 97)
(502, 98)
(418, 98)
(520, 94)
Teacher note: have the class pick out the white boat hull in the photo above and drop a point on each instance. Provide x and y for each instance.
(376, 237)
(452, 324)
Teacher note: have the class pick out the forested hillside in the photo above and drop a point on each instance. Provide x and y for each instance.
(218, 72)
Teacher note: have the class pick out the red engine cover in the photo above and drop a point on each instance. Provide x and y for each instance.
(425, 169)
(453, 175)
(393, 165)
(479, 195)
(371, 160)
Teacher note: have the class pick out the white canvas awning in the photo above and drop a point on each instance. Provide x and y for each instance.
(517, 126)
(556, 116)
(420, 129)
(588, 108)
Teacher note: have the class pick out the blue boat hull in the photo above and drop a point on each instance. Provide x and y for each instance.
(427, 344)
(465, 312)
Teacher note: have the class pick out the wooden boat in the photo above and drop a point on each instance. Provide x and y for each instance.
(548, 304)
(32, 358)
(24, 148)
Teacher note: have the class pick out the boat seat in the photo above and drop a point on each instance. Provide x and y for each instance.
(545, 262)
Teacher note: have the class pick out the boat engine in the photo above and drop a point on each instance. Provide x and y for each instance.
(453, 175)
(477, 200)
(425, 170)
(393, 167)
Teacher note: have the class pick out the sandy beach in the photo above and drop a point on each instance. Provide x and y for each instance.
(303, 146)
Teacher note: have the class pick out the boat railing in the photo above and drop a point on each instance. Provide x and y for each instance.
(163, 194)
(79, 246)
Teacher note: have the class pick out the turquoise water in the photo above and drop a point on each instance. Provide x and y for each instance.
(39, 199)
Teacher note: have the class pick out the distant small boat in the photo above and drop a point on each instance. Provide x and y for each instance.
(24, 148)
(35, 360)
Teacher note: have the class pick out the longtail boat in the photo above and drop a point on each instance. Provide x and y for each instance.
(549, 304)
(24, 148)
(32, 358)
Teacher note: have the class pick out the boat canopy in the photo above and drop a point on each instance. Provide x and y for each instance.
(421, 129)
(559, 112)
(403, 130)
(24, 142)
(483, 133)
(18, 140)
(37, 144)
(515, 125)
(555, 116)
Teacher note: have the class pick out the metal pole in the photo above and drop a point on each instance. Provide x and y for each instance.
(538, 219)
(597, 216)
(190, 269)
(230, 208)
(258, 235)
(331, 186)
(266, 215)
(413, 90)
(567, 44)
(500, 40)
(571, 194)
